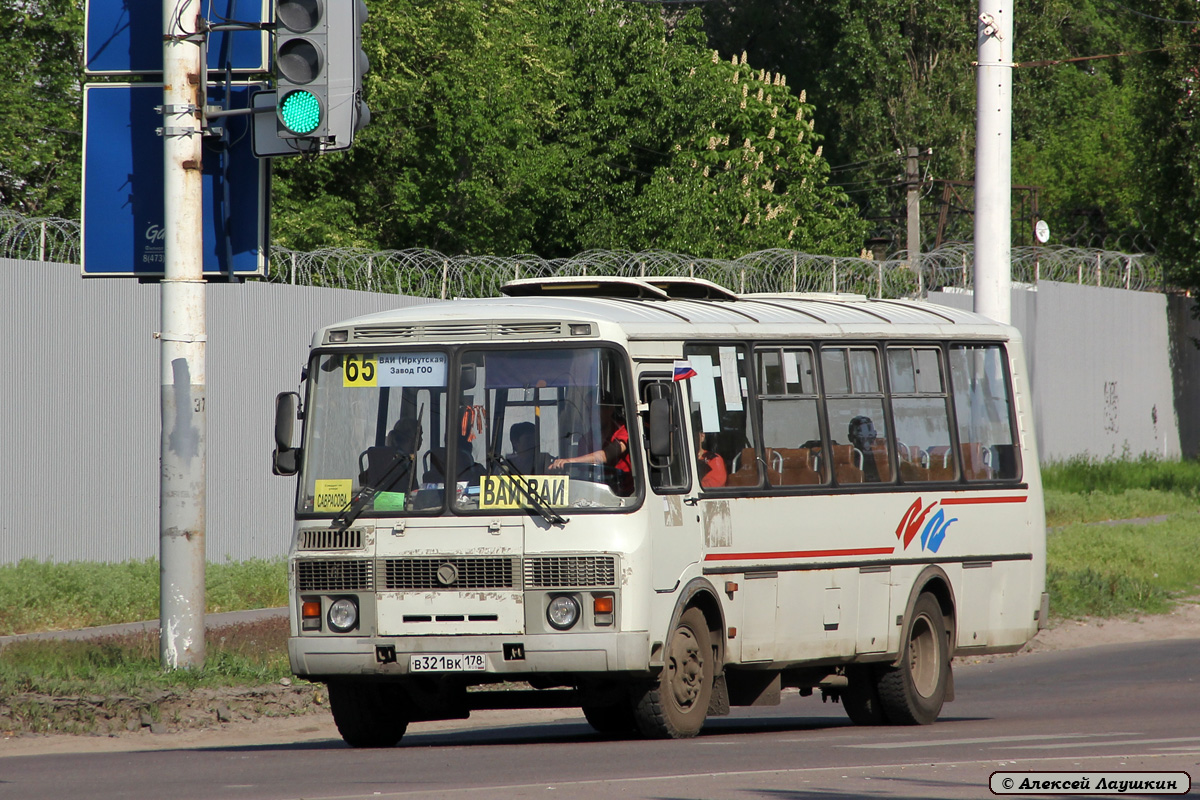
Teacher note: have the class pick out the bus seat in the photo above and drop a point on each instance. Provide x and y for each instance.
(976, 461)
(847, 463)
(941, 463)
(745, 469)
(910, 471)
(795, 468)
(774, 465)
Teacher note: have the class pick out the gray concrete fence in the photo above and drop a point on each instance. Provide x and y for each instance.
(79, 399)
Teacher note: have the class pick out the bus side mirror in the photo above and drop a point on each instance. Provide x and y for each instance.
(466, 378)
(285, 459)
(661, 427)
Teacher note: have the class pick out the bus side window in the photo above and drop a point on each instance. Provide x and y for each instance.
(920, 406)
(791, 424)
(858, 435)
(667, 475)
(986, 429)
(719, 394)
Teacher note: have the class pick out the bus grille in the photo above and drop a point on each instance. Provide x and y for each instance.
(334, 576)
(556, 572)
(451, 573)
(330, 539)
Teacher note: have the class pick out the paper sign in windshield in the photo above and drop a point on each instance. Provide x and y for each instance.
(332, 495)
(504, 491)
(394, 369)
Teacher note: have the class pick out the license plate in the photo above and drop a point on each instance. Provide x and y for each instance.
(449, 662)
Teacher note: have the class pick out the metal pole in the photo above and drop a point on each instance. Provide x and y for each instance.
(182, 481)
(993, 161)
(913, 179)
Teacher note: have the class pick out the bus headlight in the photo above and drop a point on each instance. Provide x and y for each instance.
(563, 612)
(343, 615)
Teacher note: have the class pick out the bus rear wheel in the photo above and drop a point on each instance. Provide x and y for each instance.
(674, 706)
(912, 692)
(367, 714)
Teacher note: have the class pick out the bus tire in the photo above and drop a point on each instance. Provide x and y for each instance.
(367, 714)
(675, 705)
(912, 692)
(860, 699)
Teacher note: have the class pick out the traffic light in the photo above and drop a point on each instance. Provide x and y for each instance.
(319, 65)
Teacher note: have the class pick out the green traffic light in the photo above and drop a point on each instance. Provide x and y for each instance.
(300, 112)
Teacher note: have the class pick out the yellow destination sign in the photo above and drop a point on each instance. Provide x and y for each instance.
(503, 491)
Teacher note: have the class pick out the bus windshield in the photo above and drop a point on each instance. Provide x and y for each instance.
(528, 429)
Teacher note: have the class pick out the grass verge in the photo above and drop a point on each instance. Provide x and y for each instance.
(45, 596)
(1112, 570)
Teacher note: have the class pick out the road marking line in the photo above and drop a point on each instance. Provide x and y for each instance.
(1104, 744)
(980, 740)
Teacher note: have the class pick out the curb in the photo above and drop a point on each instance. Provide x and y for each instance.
(210, 621)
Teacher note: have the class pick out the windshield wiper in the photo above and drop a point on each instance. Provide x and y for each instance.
(532, 501)
(358, 503)
(353, 509)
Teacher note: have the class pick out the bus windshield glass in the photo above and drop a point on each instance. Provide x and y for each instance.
(544, 427)
(530, 429)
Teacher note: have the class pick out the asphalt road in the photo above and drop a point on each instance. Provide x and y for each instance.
(1114, 708)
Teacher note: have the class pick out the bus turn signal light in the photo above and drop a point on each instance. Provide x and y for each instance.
(602, 609)
(310, 615)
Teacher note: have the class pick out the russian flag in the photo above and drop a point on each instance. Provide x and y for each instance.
(683, 371)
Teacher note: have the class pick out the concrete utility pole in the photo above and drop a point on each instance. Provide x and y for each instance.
(912, 177)
(993, 161)
(182, 486)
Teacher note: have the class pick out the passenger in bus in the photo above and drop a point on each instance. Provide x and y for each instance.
(614, 453)
(525, 457)
(863, 436)
(710, 466)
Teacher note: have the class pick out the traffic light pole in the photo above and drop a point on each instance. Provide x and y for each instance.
(182, 477)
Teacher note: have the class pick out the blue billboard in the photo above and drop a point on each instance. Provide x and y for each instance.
(125, 37)
(123, 230)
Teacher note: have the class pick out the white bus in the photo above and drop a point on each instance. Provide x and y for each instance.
(654, 499)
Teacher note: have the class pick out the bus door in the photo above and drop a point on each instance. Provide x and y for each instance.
(671, 503)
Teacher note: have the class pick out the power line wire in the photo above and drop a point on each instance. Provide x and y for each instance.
(1151, 16)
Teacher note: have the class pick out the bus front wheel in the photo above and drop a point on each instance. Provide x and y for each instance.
(912, 692)
(367, 714)
(675, 705)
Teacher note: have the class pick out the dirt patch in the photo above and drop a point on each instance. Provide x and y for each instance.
(157, 712)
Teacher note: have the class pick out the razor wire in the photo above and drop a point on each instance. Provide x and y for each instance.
(428, 273)
(42, 239)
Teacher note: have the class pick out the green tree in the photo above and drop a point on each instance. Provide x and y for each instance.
(892, 74)
(886, 76)
(1168, 104)
(550, 127)
(41, 45)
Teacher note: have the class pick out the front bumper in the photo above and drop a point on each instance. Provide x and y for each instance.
(510, 656)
